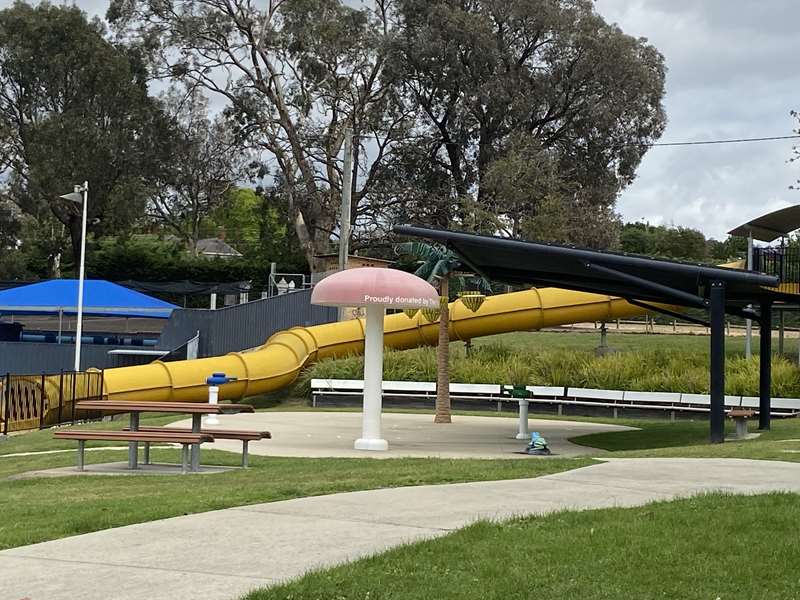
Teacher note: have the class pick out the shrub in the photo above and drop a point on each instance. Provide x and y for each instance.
(651, 370)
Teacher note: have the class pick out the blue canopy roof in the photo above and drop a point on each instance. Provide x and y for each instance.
(100, 298)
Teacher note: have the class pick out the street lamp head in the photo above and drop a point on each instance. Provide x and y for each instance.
(76, 197)
(77, 193)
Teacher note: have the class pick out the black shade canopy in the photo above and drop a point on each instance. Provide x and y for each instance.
(629, 276)
(769, 227)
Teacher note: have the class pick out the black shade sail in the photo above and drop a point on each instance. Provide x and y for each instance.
(769, 227)
(629, 276)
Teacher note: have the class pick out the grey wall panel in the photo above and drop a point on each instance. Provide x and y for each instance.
(245, 325)
(33, 358)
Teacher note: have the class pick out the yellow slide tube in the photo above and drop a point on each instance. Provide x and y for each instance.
(278, 362)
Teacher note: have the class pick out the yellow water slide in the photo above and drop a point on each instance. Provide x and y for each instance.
(277, 363)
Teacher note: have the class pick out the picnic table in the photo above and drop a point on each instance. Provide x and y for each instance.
(196, 409)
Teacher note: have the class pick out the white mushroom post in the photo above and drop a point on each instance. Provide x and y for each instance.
(373, 378)
(376, 289)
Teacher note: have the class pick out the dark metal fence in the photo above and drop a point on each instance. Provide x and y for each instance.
(245, 325)
(782, 262)
(38, 401)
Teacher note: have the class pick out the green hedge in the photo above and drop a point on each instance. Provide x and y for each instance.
(648, 370)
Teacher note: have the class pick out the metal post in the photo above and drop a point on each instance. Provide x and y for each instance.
(60, 393)
(74, 376)
(41, 403)
(7, 409)
(347, 190)
(717, 362)
(81, 276)
(765, 370)
(60, 321)
(133, 447)
(244, 453)
(748, 336)
(81, 448)
(196, 425)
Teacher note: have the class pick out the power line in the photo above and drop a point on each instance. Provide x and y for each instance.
(731, 141)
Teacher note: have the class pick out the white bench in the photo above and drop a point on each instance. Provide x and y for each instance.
(409, 389)
(614, 399)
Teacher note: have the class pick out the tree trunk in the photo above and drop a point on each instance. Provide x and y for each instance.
(443, 358)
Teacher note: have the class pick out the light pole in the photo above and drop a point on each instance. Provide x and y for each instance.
(80, 195)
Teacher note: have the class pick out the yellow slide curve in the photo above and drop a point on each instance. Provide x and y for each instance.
(278, 362)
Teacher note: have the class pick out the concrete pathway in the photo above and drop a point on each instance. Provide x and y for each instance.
(327, 434)
(223, 554)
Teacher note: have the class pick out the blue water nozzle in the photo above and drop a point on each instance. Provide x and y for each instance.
(219, 379)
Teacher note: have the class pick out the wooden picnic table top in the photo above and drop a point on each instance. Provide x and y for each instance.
(191, 408)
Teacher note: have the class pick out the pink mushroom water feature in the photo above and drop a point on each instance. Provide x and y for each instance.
(376, 289)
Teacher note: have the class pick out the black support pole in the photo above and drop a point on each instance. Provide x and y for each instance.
(765, 370)
(717, 362)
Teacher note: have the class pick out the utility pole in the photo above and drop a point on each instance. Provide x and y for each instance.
(347, 194)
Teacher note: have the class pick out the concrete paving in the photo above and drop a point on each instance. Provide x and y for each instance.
(223, 554)
(319, 434)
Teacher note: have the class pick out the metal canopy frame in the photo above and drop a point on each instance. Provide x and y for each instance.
(771, 226)
(655, 284)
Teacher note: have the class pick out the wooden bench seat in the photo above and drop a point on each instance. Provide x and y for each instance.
(185, 438)
(242, 435)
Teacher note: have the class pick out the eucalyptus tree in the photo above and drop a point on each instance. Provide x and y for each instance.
(206, 164)
(74, 107)
(546, 80)
(295, 76)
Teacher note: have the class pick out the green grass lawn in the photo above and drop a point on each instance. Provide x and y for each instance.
(574, 340)
(36, 510)
(705, 548)
(689, 439)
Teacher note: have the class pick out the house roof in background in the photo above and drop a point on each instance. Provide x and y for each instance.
(216, 247)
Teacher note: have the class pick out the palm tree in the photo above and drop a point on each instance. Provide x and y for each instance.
(439, 266)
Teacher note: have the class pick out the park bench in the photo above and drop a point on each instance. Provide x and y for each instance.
(219, 434)
(166, 437)
(321, 388)
(740, 416)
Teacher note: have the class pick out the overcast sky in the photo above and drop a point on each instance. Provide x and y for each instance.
(732, 74)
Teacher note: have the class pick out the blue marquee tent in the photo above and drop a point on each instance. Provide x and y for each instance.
(100, 298)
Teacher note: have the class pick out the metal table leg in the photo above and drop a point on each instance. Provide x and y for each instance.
(133, 447)
(81, 447)
(196, 424)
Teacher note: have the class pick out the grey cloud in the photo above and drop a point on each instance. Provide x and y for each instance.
(731, 75)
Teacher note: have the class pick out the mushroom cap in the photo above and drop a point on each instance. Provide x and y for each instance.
(372, 285)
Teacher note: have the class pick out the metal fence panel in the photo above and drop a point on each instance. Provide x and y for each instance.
(243, 326)
(38, 401)
(40, 357)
